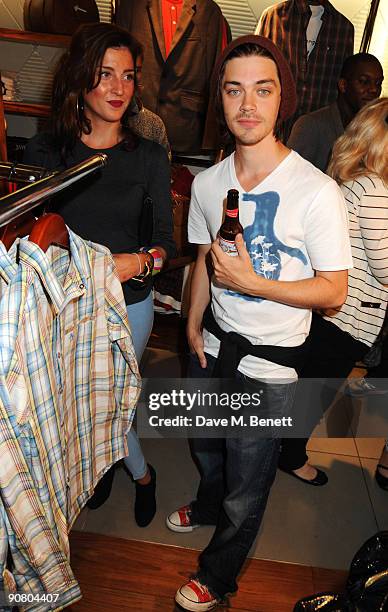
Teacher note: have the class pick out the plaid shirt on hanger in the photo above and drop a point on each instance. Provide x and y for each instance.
(71, 374)
(316, 78)
(40, 565)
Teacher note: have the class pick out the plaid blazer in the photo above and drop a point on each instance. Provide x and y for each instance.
(316, 78)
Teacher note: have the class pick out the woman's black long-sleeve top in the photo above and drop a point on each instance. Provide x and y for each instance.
(105, 207)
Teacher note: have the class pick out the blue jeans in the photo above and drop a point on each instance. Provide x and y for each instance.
(236, 477)
(141, 318)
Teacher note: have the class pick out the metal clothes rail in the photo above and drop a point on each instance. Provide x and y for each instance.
(23, 200)
(13, 172)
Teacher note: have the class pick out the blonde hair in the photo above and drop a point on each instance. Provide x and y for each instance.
(363, 148)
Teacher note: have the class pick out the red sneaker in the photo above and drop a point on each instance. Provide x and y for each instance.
(180, 520)
(196, 597)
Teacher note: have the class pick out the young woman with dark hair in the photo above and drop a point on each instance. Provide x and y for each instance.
(94, 84)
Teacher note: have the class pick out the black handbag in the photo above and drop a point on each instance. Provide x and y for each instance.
(366, 586)
(146, 222)
(373, 357)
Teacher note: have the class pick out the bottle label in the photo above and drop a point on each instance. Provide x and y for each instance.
(232, 213)
(228, 246)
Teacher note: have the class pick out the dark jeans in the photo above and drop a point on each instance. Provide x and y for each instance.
(236, 477)
(333, 354)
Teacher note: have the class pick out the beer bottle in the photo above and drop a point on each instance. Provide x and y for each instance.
(231, 225)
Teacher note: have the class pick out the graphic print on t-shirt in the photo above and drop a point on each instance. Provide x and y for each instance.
(261, 242)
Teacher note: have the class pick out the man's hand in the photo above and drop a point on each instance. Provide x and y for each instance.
(325, 290)
(328, 312)
(235, 273)
(199, 299)
(195, 340)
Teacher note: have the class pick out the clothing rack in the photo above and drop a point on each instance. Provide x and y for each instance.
(19, 202)
(13, 172)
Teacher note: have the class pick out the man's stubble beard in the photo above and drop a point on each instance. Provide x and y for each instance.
(246, 139)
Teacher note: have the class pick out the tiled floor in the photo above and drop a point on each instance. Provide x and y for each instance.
(321, 526)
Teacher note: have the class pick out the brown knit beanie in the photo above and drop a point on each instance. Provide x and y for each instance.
(288, 92)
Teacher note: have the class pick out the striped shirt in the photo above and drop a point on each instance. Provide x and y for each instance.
(363, 313)
(72, 379)
(316, 76)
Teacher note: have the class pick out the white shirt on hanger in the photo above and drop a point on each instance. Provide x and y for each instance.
(314, 26)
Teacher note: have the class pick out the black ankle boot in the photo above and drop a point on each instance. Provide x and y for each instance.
(145, 503)
(102, 490)
(381, 480)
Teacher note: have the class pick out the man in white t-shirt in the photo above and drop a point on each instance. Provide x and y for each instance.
(293, 257)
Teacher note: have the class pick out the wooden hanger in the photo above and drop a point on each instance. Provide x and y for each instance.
(17, 229)
(50, 229)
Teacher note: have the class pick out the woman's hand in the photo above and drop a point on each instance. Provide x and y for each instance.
(129, 265)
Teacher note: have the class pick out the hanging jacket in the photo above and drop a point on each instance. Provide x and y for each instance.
(176, 87)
